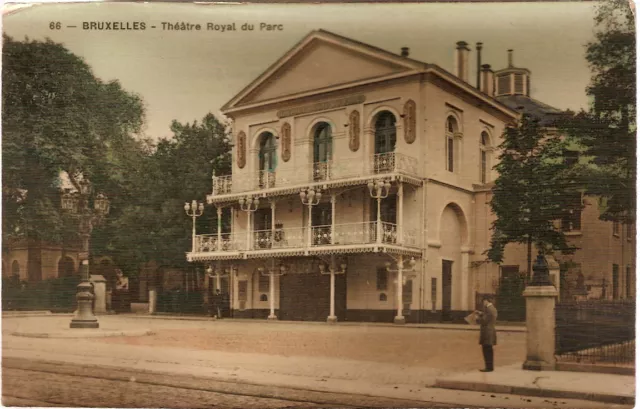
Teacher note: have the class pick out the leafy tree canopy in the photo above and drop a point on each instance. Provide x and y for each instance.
(534, 189)
(58, 117)
(153, 224)
(607, 130)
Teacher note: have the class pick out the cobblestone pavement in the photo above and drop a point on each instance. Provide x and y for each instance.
(27, 383)
(447, 350)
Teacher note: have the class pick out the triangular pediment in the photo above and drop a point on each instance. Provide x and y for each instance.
(320, 62)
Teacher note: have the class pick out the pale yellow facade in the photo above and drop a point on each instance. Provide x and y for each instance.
(383, 117)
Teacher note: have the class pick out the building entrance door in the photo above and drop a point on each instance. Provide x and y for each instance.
(305, 297)
(447, 267)
(321, 223)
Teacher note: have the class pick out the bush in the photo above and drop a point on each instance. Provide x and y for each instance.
(56, 294)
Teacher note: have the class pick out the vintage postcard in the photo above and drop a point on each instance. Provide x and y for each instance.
(319, 205)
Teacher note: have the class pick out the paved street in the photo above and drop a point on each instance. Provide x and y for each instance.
(77, 385)
(203, 363)
(440, 350)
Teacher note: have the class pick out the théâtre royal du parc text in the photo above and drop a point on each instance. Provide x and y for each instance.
(180, 26)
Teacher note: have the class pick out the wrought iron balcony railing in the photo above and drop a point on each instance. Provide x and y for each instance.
(332, 170)
(296, 237)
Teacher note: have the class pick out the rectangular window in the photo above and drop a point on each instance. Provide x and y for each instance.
(263, 283)
(242, 290)
(483, 167)
(616, 228)
(628, 282)
(519, 84)
(382, 279)
(262, 219)
(630, 231)
(450, 154)
(615, 281)
(572, 220)
(504, 84)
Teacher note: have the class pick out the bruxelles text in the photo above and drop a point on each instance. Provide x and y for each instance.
(180, 26)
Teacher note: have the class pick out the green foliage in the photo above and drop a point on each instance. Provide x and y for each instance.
(608, 129)
(54, 294)
(535, 189)
(152, 224)
(58, 117)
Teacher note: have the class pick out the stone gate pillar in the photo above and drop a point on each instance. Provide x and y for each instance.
(541, 321)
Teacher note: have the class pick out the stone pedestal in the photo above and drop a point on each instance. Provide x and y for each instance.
(153, 300)
(400, 320)
(100, 294)
(332, 319)
(272, 318)
(541, 327)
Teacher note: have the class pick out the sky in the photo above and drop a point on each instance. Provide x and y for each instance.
(183, 75)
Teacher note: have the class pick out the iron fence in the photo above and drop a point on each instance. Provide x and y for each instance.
(596, 331)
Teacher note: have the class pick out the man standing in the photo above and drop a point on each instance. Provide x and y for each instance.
(217, 304)
(487, 320)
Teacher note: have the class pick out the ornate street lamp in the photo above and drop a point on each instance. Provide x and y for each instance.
(272, 272)
(379, 190)
(193, 210)
(401, 280)
(540, 272)
(310, 198)
(77, 204)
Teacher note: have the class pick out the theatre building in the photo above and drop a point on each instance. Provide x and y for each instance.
(359, 178)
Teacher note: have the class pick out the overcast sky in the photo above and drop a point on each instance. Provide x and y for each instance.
(184, 75)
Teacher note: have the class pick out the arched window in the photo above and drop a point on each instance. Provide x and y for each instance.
(322, 151)
(385, 133)
(66, 267)
(322, 142)
(267, 153)
(450, 143)
(15, 268)
(484, 157)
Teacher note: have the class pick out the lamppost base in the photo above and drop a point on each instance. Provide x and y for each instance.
(84, 323)
(332, 319)
(400, 320)
(272, 318)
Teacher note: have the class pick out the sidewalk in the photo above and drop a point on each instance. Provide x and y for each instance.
(372, 360)
(513, 379)
(510, 327)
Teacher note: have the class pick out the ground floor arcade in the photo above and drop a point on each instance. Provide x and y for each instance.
(360, 287)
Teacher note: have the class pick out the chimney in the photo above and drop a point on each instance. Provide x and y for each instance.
(487, 80)
(479, 50)
(462, 61)
(510, 58)
(404, 52)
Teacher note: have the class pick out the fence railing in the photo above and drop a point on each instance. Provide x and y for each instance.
(297, 237)
(227, 242)
(313, 172)
(596, 331)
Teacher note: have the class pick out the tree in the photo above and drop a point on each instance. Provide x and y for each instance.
(533, 191)
(607, 130)
(57, 118)
(153, 224)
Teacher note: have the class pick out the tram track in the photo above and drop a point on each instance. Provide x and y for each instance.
(60, 383)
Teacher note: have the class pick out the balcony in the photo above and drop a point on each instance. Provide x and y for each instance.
(329, 172)
(348, 237)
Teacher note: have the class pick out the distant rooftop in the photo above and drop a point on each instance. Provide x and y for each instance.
(525, 104)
